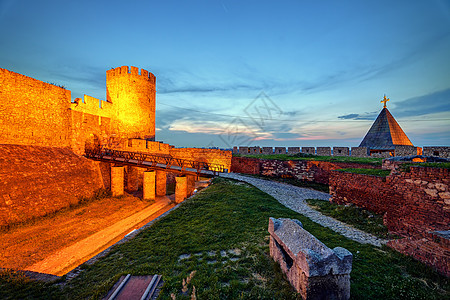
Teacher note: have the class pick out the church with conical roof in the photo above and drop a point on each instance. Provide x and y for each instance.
(385, 134)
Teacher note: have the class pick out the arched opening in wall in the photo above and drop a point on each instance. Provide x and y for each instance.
(92, 143)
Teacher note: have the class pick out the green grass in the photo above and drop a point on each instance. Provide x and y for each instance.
(293, 181)
(352, 215)
(406, 167)
(301, 156)
(374, 172)
(231, 215)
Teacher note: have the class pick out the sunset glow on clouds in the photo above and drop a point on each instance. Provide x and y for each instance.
(323, 66)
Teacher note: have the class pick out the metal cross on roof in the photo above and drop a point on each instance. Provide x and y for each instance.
(384, 101)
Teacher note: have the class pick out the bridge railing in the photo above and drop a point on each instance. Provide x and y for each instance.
(139, 158)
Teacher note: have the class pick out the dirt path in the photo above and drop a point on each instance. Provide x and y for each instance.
(68, 258)
(56, 244)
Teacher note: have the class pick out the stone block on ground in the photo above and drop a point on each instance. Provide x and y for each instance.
(313, 269)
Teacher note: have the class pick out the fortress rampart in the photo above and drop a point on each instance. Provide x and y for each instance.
(439, 151)
(33, 112)
(133, 97)
(41, 131)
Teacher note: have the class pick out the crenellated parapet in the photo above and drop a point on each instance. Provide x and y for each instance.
(133, 95)
(400, 150)
(134, 71)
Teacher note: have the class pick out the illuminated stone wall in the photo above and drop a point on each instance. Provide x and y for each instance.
(132, 94)
(213, 156)
(37, 180)
(33, 112)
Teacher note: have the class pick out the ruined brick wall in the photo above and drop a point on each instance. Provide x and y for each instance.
(245, 165)
(39, 180)
(33, 112)
(413, 202)
(317, 171)
(430, 248)
(214, 156)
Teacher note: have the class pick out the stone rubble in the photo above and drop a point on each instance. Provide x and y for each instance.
(294, 198)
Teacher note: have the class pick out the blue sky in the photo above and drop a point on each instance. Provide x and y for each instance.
(268, 73)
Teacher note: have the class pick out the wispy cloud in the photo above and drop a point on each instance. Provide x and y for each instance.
(426, 104)
(364, 116)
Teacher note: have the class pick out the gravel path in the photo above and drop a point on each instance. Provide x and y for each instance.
(294, 198)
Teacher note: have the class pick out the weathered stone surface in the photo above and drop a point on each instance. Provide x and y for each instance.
(161, 181)
(437, 151)
(441, 187)
(117, 180)
(267, 150)
(181, 189)
(431, 192)
(149, 185)
(359, 151)
(293, 150)
(445, 195)
(280, 150)
(314, 270)
(340, 151)
(324, 151)
(431, 248)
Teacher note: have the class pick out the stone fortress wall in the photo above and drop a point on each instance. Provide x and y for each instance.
(43, 135)
(33, 112)
(439, 151)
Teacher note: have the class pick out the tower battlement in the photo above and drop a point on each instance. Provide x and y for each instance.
(126, 70)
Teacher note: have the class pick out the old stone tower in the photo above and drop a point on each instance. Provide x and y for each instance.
(133, 97)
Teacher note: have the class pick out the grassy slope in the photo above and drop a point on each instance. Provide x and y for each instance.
(353, 215)
(234, 216)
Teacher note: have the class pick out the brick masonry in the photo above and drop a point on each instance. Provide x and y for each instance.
(431, 248)
(317, 171)
(414, 205)
(39, 180)
(413, 202)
